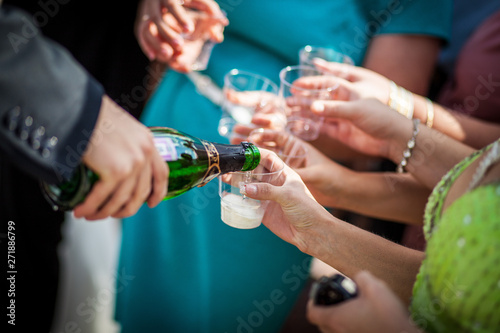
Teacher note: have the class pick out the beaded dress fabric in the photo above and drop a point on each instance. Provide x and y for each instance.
(458, 286)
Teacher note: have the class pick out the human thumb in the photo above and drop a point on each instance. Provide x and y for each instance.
(367, 282)
(259, 191)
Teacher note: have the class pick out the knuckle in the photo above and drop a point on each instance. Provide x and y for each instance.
(148, 146)
(130, 209)
(121, 170)
(264, 190)
(101, 214)
(146, 193)
(138, 160)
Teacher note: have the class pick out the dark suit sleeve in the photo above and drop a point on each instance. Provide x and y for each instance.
(48, 103)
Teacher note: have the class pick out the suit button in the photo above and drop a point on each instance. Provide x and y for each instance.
(24, 132)
(48, 146)
(11, 118)
(35, 139)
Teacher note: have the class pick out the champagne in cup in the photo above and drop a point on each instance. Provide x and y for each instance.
(238, 210)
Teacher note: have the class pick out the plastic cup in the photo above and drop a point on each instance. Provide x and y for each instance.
(289, 148)
(296, 101)
(237, 210)
(201, 36)
(244, 94)
(201, 62)
(309, 52)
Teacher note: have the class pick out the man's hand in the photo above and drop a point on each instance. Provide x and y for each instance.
(122, 152)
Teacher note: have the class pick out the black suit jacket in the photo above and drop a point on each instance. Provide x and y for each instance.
(48, 103)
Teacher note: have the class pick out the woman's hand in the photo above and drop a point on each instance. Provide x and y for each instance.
(353, 83)
(292, 208)
(161, 27)
(367, 126)
(375, 309)
(327, 180)
(268, 112)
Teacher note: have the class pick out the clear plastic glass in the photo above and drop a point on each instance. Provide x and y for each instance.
(296, 101)
(238, 210)
(292, 150)
(309, 52)
(244, 94)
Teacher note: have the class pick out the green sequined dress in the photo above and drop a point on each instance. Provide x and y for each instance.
(458, 286)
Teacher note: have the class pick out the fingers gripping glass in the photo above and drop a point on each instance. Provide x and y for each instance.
(308, 53)
(296, 99)
(290, 149)
(244, 94)
(238, 210)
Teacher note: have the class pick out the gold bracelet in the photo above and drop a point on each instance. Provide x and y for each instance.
(394, 99)
(401, 100)
(430, 113)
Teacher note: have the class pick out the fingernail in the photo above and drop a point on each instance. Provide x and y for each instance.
(319, 61)
(177, 42)
(318, 107)
(165, 52)
(223, 20)
(248, 189)
(188, 27)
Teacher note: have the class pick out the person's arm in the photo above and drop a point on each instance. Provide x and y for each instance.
(54, 115)
(296, 217)
(374, 129)
(49, 105)
(161, 24)
(386, 195)
(471, 131)
(363, 83)
(350, 249)
(122, 152)
(408, 60)
(432, 157)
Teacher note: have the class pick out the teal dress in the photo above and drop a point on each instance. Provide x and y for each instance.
(181, 268)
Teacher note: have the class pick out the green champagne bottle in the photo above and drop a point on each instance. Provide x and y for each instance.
(192, 162)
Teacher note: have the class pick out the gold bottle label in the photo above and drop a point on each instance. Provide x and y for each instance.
(213, 163)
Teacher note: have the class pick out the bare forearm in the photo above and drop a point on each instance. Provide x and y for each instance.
(350, 249)
(469, 130)
(432, 157)
(336, 150)
(387, 196)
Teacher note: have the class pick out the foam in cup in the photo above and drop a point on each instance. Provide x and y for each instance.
(241, 212)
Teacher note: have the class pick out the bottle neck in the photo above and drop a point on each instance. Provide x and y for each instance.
(242, 157)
